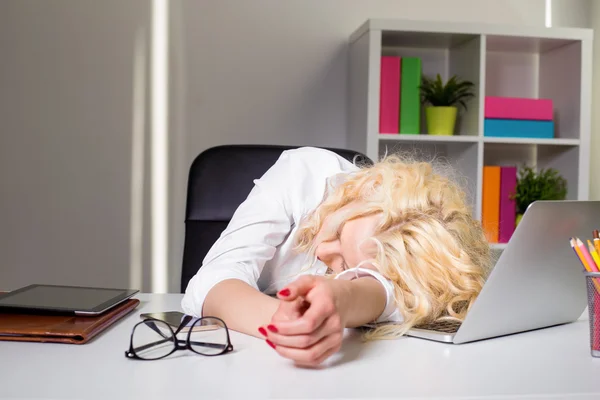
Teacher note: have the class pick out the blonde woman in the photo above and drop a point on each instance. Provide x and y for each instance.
(321, 245)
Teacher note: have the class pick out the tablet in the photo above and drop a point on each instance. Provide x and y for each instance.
(76, 300)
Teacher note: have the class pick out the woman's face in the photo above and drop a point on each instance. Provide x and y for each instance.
(348, 248)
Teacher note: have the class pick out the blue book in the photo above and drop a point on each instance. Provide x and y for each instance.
(515, 128)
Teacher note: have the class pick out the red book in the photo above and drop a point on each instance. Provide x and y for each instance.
(389, 95)
(508, 207)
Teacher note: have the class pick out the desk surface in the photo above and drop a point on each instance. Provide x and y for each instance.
(553, 362)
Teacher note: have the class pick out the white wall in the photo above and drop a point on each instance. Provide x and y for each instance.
(260, 71)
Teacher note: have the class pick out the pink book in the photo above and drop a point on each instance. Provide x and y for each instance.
(518, 108)
(389, 95)
(508, 209)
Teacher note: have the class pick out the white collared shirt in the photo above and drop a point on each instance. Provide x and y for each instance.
(257, 246)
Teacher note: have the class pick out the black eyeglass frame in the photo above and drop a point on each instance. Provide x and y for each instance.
(179, 344)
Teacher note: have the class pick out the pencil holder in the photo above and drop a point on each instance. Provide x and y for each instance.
(593, 292)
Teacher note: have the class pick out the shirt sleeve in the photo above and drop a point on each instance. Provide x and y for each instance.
(259, 225)
(390, 312)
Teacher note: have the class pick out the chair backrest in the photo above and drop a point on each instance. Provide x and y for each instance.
(220, 179)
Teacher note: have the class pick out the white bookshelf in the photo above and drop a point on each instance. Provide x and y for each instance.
(502, 61)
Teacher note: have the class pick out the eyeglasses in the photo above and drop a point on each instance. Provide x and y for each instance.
(153, 339)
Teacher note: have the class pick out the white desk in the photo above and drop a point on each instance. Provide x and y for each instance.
(552, 362)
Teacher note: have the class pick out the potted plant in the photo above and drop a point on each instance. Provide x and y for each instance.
(547, 184)
(442, 101)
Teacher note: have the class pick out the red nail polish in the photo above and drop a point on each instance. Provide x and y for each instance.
(270, 343)
(272, 328)
(284, 292)
(262, 331)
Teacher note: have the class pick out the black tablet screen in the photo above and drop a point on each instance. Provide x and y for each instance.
(60, 297)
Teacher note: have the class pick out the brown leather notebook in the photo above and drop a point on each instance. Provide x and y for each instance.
(60, 328)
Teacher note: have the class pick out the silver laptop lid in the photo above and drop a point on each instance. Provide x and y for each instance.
(537, 281)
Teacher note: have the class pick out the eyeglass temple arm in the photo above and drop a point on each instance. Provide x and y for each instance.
(152, 325)
(184, 322)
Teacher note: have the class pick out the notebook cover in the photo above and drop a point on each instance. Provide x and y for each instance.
(514, 128)
(491, 202)
(410, 96)
(518, 108)
(389, 95)
(508, 208)
(60, 328)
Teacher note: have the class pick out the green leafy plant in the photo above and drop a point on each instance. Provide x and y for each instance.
(547, 184)
(453, 93)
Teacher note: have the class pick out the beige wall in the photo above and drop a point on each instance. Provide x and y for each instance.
(66, 75)
(572, 13)
(586, 14)
(275, 71)
(595, 150)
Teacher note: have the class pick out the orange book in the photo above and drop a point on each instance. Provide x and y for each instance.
(490, 210)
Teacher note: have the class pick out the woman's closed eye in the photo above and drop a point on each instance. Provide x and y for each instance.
(343, 264)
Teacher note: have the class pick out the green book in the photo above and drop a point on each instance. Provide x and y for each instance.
(410, 96)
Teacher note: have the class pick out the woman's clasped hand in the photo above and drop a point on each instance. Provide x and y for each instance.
(308, 325)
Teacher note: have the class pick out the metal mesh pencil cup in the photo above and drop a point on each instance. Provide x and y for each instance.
(593, 292)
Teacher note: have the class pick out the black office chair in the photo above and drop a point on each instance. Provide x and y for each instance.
(220, 179)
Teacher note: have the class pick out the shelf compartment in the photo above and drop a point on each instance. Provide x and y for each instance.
(461, 157)
(445, 54)
(538, 68)
(565, 159)
(498, 246)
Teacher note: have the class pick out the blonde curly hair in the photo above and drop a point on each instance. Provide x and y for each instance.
(428, 243)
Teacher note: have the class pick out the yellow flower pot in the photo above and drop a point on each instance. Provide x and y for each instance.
(440, 120)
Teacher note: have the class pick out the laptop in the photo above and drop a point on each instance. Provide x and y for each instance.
(537, 281)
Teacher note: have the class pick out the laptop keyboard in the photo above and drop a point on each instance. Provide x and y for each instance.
(441, 326)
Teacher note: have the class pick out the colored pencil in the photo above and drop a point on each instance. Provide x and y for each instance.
(586, 255)
(580, 255)
(594, 253)
(596, 240)
(584, 262)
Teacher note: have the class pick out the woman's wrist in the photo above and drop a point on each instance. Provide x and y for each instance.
(342, 293)
(359, 301)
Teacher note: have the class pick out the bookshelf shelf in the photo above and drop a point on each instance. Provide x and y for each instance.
(429, 138)
(540, 142)
(498, 246)
(508, 61)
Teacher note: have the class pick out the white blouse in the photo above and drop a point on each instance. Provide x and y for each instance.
(257, 245)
